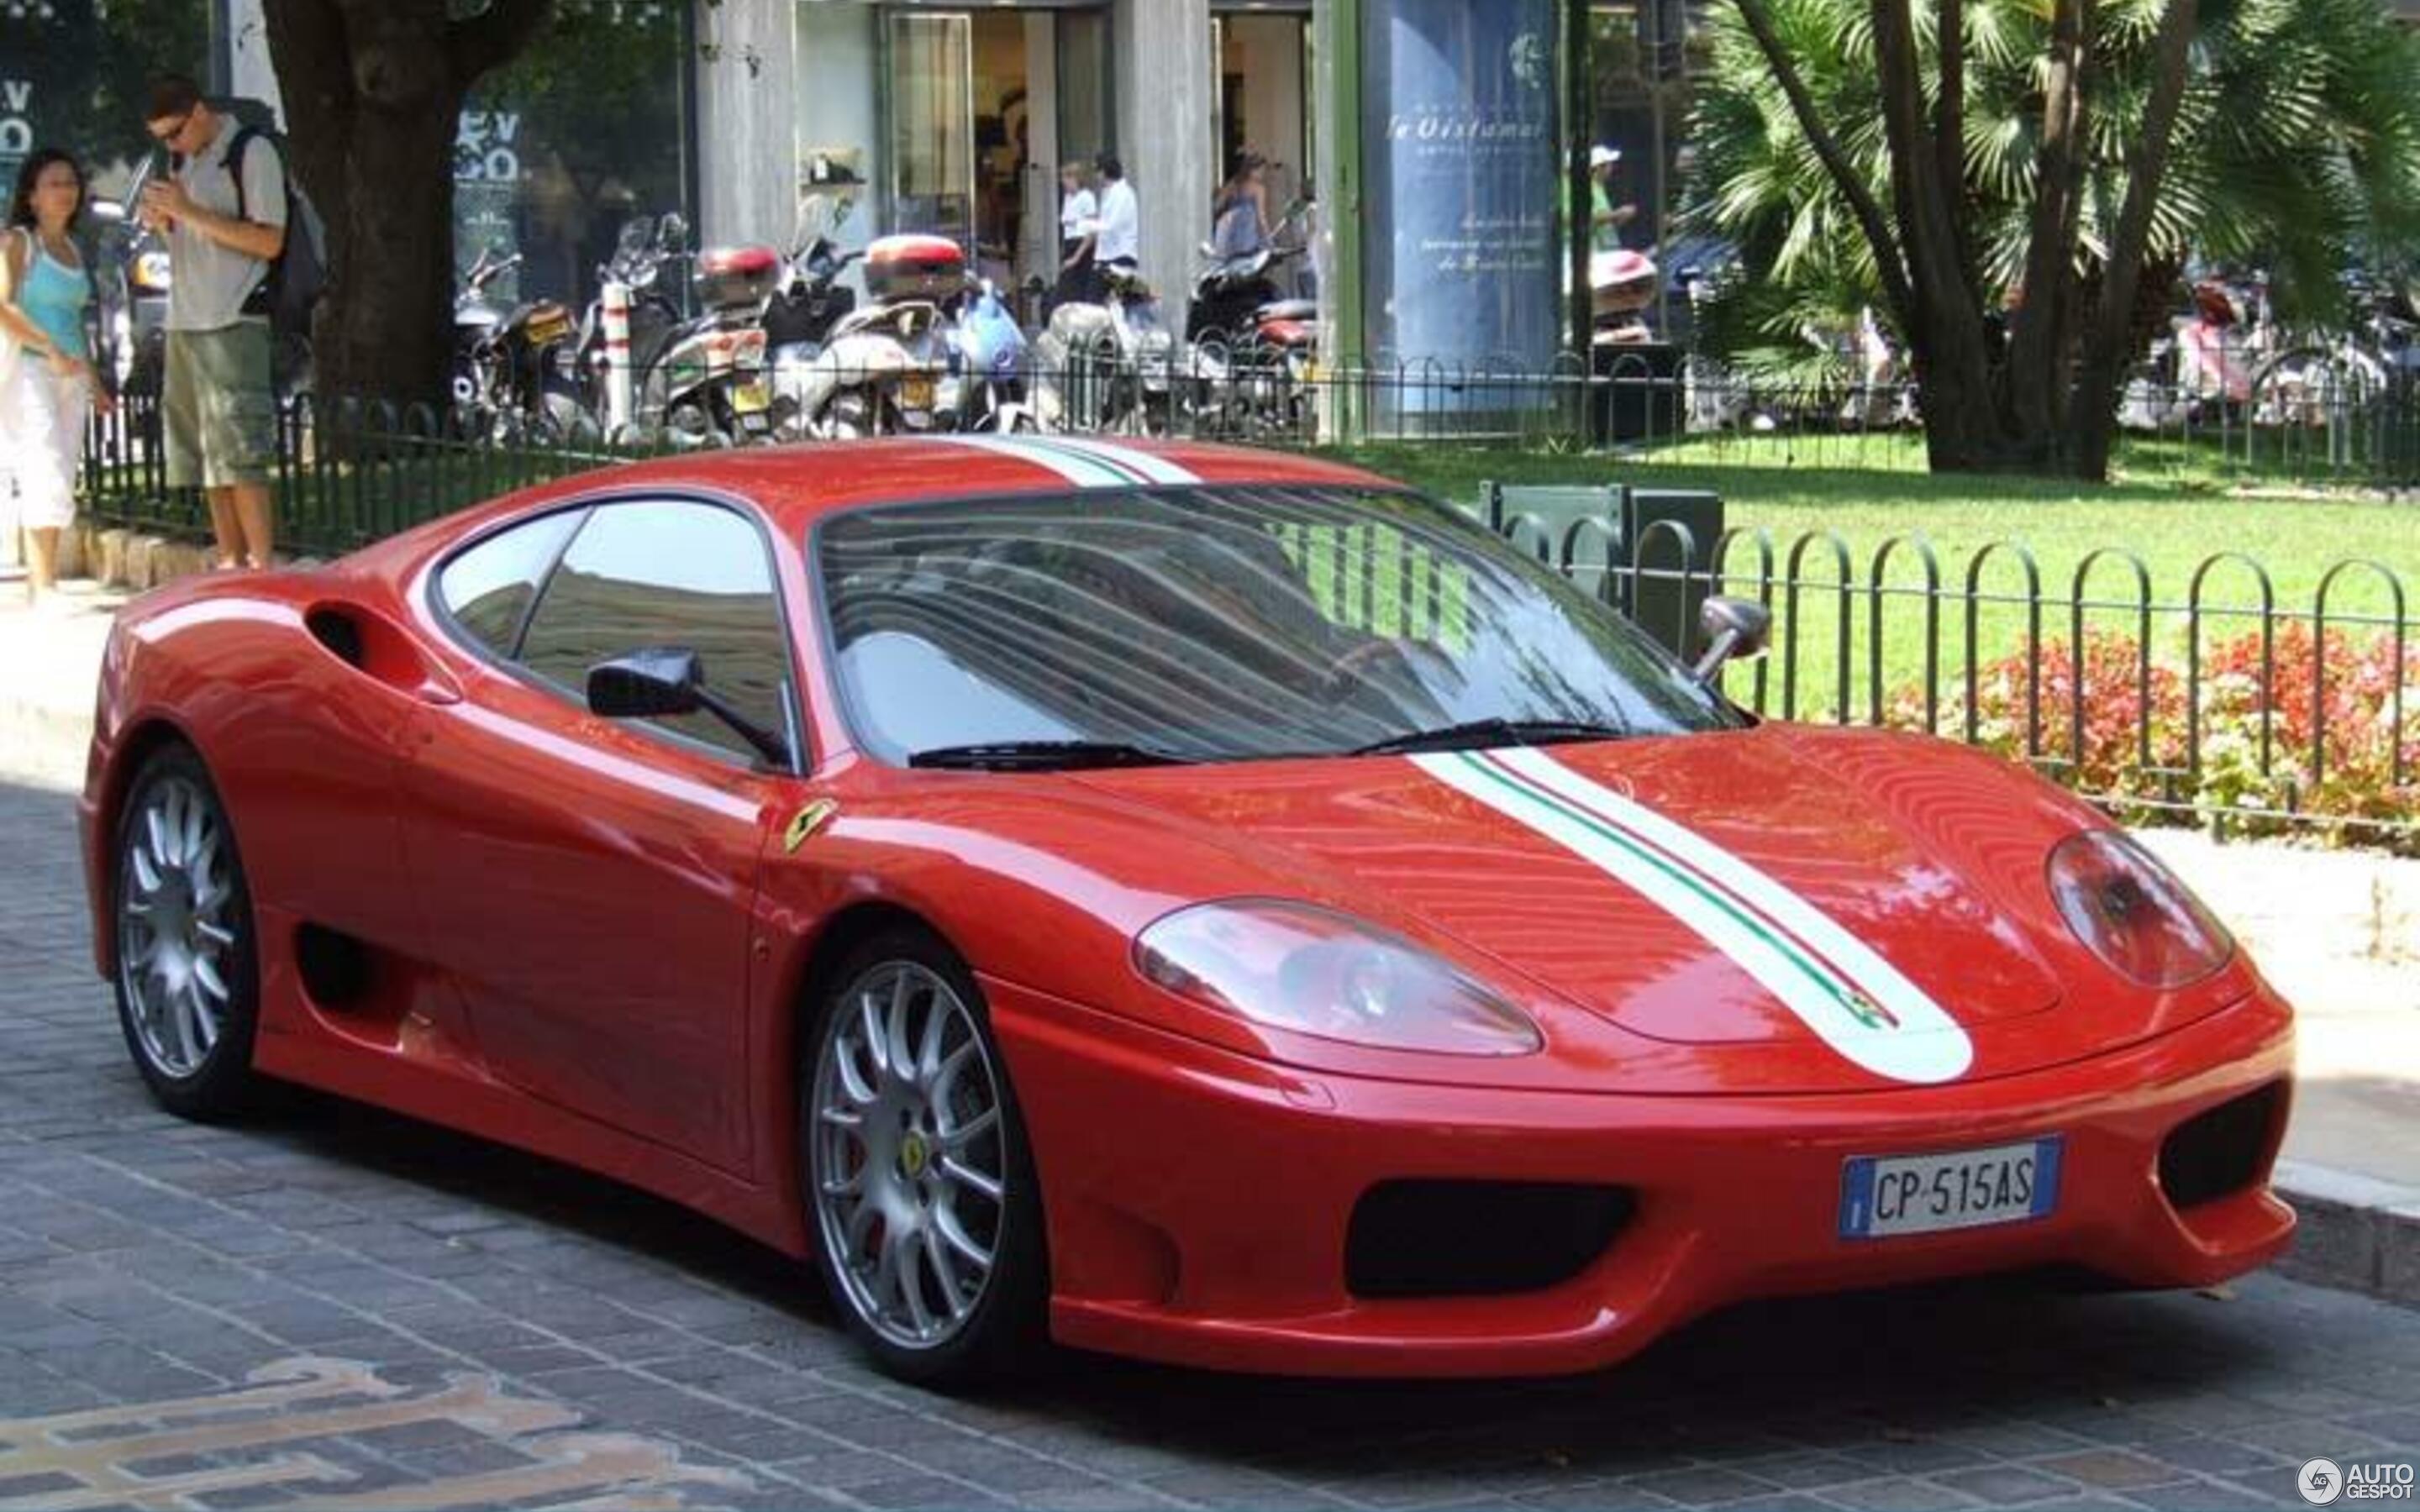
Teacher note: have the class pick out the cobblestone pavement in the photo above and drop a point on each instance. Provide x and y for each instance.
(334, 1306)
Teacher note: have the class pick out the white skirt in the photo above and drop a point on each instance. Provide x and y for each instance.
(41, 446)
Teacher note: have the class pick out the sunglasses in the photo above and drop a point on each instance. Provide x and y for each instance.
(168, 138)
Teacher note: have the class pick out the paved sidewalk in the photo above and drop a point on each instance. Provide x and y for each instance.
(2338, 933)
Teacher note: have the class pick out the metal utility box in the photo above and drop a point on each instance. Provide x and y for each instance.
(1648, 552)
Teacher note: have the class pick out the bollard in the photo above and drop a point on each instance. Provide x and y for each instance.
(615, 298)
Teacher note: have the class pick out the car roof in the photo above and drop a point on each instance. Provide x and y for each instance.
(797, 486)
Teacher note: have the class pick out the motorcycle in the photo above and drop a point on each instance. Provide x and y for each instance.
(986, 386)
(512, 365)
(881, 371)
(700, 378)
(1230, 292)
(807, 309)
(1115, 365)
(1621, 286)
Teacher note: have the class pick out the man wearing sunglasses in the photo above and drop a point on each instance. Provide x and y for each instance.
(225, 223)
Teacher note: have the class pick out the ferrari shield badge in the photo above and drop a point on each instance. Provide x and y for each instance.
(804, 824)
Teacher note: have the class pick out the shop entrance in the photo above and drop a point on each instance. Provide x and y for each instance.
(984, 106)
(1263, 93)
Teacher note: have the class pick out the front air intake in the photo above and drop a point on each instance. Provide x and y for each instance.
(2221, 1150)
(1473, 1238)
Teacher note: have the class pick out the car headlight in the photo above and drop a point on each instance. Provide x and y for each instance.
(2133, 913)
(152, 272)
(1310, 970)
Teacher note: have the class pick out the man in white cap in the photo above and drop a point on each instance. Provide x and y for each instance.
(1605, 218)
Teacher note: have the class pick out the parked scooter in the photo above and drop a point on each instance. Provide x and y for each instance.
(881, 371)
(512, 365)
(1622, 285)
(701, 378)
(1230, 292)
(1116, 366)
(807, 309)
(987, 384)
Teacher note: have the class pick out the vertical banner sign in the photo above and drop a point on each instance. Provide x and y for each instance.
(486, 189)
(16, 126)
(1460, 139)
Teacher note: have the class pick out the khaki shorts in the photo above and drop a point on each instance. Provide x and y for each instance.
(220, 414)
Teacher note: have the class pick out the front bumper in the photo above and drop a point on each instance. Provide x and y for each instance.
(1199, 1202)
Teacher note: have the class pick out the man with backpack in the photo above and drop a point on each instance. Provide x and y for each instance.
(225, 213)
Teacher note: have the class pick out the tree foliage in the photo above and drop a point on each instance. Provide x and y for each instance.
(2296, 149)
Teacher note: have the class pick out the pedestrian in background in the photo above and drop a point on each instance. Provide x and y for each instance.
(1077, 210)
(225, 224)
(47, 379)
(1117, 234)
(1239, 216)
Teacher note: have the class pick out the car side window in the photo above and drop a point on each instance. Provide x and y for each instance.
(487, 589)
(668, 574)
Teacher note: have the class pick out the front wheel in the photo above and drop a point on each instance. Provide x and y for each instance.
(188, 965)
(928, 1216)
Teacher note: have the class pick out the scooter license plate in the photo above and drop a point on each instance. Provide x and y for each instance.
(751, 398)
(916, 393)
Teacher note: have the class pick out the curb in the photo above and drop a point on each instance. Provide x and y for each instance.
(2357, 1234)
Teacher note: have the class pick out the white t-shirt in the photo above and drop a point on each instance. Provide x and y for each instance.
(1120, 224)
(207, 282)
(1074, 212)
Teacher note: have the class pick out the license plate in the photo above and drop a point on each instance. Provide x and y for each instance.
(1885, 1196)
(916, 393)
(751, 398)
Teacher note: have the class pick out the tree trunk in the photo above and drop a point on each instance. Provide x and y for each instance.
(372, 91)
(2112, 342)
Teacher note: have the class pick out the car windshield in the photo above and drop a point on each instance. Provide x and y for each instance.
(1220, 623)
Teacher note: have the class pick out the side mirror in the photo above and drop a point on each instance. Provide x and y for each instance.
(662, 681)
(645, 685)
(1733, 629)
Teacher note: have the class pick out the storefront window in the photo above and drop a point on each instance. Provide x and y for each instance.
(932, 125)
(555, 152)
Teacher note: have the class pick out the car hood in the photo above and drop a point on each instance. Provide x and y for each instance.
(1817, 909)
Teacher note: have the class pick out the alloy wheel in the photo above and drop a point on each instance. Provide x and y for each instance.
(177, 931)
(908, 1156)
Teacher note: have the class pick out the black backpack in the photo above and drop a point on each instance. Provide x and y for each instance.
(300, 270)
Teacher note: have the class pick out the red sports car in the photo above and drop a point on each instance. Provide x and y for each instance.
(1182, 901)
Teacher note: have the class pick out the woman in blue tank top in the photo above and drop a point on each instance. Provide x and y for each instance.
(47, 378)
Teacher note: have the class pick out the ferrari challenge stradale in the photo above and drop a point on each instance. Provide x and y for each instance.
(1181, 902)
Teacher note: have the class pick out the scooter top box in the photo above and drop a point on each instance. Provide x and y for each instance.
(914, 266)
(737, 275)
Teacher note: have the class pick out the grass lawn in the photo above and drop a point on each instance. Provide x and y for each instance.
(2174, 522)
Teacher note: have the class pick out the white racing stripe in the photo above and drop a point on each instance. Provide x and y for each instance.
(1084, 463)
(1854, 1000)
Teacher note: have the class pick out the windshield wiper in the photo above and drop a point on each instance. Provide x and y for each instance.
(1045, 755)
(1476, 733)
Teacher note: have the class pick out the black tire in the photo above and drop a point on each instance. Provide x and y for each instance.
(1005, 1333)
(220, 1082)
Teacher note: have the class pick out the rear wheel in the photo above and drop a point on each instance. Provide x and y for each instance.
(928, 1213)
(188, 959)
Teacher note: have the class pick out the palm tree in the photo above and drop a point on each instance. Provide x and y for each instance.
(2296, 147)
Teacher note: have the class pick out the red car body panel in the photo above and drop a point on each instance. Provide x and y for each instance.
(596, 943)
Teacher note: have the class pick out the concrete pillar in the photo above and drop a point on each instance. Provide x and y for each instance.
(1167, 134)
(748, 111)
